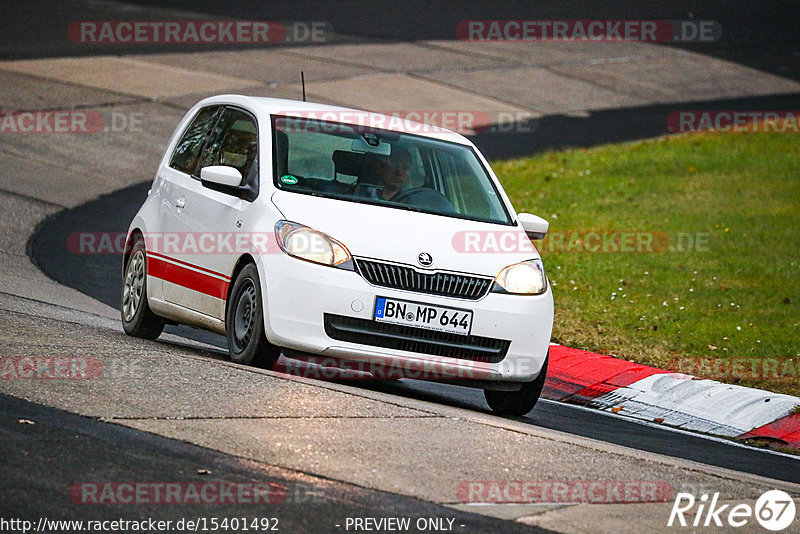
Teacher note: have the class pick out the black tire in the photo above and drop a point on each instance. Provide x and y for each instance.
(518, 402)
(138, 320)
(244, 322)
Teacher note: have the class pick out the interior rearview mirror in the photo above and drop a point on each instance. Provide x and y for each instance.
(535, 227)
(371, 144)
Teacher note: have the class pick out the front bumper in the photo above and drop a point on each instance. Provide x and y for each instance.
(298, 295)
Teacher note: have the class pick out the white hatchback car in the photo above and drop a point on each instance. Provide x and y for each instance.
(356, 237)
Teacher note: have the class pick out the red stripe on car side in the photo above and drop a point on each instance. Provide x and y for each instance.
(187, 264)
(185, 277)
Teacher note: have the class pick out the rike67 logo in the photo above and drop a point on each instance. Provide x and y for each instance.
(774, 510)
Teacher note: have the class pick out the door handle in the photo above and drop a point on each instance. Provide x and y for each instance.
(180, 203)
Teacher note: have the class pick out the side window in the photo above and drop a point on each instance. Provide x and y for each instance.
(187, 151)
(233, 142)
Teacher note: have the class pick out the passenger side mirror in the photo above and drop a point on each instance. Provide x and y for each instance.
(222, 175)
(535, 227)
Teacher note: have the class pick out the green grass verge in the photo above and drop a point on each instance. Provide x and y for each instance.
(722, 300)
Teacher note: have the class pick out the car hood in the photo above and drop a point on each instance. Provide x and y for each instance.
(400, 236)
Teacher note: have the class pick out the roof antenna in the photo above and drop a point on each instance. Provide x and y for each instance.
(303, 83)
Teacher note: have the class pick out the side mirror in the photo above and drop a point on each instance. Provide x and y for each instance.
(229, 181)
(221, 175)
(535, 227)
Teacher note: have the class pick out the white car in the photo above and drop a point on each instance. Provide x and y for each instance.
(359, 238)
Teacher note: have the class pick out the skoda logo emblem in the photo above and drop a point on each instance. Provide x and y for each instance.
(425, 259)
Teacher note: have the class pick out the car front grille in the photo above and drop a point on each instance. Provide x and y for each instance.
(412, 339)
(440, 283)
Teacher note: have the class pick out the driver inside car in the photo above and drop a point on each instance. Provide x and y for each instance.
(392, 172)
(388, 175)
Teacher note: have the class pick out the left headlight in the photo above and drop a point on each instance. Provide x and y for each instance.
(525, 278)
(310, 245)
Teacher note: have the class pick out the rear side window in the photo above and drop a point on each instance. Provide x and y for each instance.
(187, 151)
(234, 143)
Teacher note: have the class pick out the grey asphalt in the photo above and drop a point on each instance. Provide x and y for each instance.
(762, 35)
(35, 482)
(400, 445)
(363, 448)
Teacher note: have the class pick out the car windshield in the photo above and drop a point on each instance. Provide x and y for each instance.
(373, 166)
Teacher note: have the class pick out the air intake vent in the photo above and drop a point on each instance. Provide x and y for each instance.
(411, 339)
(443, 284)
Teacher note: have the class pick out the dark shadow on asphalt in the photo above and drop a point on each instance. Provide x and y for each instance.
(555, 132)
(762, 35)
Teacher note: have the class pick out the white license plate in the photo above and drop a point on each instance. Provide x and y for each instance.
(439, 318)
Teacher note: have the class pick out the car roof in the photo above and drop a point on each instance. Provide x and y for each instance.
(279, 106)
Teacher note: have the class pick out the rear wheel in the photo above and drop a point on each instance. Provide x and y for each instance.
(518, 402)
(244, 322)
(137, 318)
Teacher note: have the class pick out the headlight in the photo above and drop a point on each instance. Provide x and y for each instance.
(525, 278)
(308, 244)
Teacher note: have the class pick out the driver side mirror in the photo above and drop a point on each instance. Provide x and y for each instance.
(227, 180)
(221, 175)
(535, 227)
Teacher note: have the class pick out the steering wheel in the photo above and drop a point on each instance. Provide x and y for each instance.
(424, 197)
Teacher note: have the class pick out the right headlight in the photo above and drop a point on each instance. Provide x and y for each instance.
(310, 245)
(524, 278)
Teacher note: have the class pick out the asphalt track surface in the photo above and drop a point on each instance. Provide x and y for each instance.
(759, 34)
(42, 459)
(99, 276)
(763, 35)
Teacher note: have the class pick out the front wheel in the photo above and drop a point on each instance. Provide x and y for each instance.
(137, 318)
(244, 322)
(518, 402)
